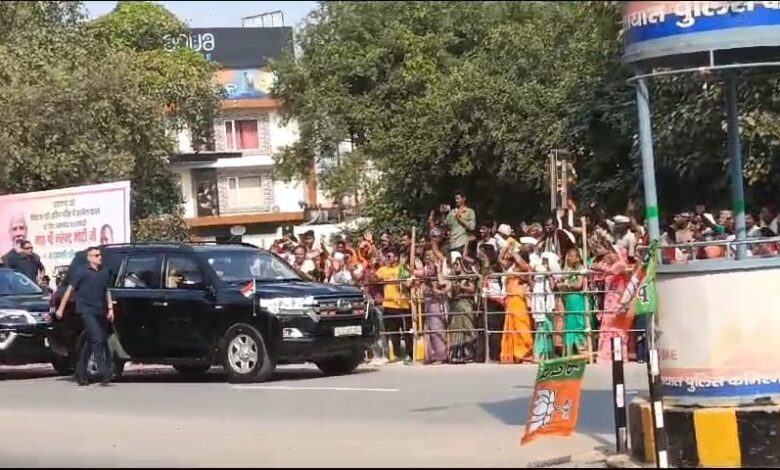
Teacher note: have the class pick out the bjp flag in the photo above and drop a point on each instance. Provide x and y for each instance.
(555, 404)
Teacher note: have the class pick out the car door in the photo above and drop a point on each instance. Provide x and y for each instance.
(187, 316)
(136, 295)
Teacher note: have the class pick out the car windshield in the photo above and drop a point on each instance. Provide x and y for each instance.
(13, 283)
(243, 265)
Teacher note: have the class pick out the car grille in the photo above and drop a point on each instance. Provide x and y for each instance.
(340, 307)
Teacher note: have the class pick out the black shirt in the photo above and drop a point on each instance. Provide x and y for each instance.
(91, 287)
(27, 265)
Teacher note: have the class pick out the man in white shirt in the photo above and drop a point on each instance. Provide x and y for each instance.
(503, 237)
(486, 237)
(301, 262)
(625, 237)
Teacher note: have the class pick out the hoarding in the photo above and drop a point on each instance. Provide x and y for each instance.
(243, 84)
(235, 47)
(656, 29)
(61, 222)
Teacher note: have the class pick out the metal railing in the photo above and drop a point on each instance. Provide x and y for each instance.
(728, 250)
(496, 319)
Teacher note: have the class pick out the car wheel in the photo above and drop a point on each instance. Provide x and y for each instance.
(64, 365)
(192, 370)
(245, 355)
(341, 365)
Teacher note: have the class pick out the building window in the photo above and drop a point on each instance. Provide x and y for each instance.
(206, 193)
(245, 191)
(241, 134)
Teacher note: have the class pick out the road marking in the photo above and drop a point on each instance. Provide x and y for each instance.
(335, 389)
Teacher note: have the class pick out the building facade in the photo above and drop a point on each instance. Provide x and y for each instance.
(231, 185)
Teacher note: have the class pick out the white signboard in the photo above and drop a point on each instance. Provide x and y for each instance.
(61, 222)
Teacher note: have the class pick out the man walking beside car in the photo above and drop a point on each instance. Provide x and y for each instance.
(94, 306)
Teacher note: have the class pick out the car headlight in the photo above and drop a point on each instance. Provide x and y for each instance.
(288, 305)
(16, 316)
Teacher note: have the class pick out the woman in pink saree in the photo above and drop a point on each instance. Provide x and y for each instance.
(614, 320)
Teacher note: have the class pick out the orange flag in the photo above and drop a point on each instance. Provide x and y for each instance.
(555, 403)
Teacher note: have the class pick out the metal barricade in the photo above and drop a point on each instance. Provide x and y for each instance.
(494, 322)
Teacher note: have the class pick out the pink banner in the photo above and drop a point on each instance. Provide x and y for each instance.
(61, 222)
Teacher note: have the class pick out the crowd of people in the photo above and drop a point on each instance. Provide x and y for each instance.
(476, 291)
(488, 291)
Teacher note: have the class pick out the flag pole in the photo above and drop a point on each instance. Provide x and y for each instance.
(588, 326)
(654, 383)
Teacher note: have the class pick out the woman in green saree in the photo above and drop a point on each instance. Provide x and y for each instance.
(575, 303)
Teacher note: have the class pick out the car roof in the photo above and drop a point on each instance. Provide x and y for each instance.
(192, 247)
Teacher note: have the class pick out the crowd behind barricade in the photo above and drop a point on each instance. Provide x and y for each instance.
(487, 291)
(471, 290)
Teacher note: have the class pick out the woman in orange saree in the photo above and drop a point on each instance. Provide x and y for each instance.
(517, 341)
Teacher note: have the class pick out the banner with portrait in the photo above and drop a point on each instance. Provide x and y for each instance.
(61, 222)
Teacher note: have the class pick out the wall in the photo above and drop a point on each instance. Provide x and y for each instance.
(288, 196)
(282, 135)
(273, 136)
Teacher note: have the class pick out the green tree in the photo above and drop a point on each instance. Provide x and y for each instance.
(473, 95)
(91, 102)
(441, 95)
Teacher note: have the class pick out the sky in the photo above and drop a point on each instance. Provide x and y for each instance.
(207, 14)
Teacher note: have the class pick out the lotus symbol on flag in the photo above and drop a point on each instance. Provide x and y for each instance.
(544, 408)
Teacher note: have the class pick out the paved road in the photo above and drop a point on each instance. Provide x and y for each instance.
(389, 416)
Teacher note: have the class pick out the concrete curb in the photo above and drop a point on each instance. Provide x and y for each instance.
(585, 458)
(709, 437)
(621, 461)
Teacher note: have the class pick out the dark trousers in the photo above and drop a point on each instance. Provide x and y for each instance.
(641, 323)
(392, 325)
(95, 346)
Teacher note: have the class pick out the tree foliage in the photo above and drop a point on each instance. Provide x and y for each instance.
(90, 102)
(474, 95)
(165, 228)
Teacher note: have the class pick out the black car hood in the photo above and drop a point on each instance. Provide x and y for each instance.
(30, 303)
(270, 290)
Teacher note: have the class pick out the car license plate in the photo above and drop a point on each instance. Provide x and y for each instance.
(355, 330)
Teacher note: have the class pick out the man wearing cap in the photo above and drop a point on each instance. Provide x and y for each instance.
(461, 222)
(504, 241)
(625, 237)
(528, 248)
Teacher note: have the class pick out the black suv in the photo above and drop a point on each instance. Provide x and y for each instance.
(25, 323)
(195, 306)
